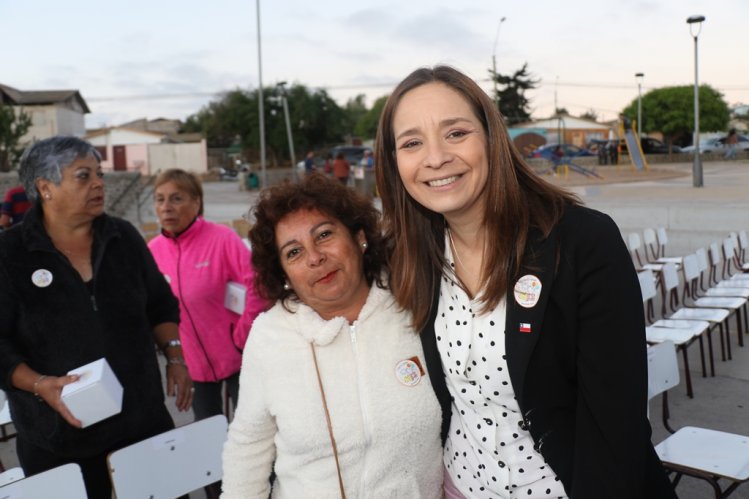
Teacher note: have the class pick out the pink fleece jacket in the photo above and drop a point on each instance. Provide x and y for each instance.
(197, 264)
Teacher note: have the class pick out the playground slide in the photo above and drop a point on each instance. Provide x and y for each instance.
(634, 150)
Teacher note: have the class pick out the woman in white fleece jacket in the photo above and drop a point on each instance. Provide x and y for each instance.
(318, 251)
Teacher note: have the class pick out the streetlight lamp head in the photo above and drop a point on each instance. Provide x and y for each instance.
(695, 19)
(281, 83)
(639, 75)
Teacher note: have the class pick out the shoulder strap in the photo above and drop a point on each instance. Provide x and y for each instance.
(330, 425)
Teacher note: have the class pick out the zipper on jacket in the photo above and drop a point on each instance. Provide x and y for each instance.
(183, 304)
(363, 409)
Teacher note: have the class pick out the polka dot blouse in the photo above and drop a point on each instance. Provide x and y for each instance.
(487, 453)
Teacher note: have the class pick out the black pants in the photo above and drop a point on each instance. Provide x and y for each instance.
(208, 401)
(208, 398)
(34, 459)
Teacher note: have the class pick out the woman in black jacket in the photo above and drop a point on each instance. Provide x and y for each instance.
(77, 285)
(528, 303)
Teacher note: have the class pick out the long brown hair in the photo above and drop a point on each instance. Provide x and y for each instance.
(517, 200)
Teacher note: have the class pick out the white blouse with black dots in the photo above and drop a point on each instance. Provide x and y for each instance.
(487, 454)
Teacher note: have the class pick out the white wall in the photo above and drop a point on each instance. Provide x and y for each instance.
(191, 157)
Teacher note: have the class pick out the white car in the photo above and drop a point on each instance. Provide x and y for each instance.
(719, 145)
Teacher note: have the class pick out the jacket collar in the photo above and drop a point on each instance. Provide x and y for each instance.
(35, 236)
(524, 324)
(317, 330)
(191, 232)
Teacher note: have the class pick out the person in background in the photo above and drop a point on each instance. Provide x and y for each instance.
(199, 259)
(332, 385)
(15, 205)
(309, 163)
(341, 168)
(732, 140)
(78, 285)
(528, 304)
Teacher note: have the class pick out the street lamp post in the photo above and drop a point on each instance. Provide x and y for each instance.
(494, 63)
(282, 87)
(639, 77)
(260, 103)
(697, 162)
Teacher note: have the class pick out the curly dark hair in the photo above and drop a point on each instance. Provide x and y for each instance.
(328, 196)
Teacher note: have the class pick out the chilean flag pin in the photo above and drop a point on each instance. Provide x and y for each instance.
(525, 327)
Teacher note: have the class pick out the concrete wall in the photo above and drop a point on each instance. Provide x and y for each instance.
(191, 157)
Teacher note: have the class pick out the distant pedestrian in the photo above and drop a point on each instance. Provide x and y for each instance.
(613, 150)
(309, 163)
(15, 205)
(626, 122)
(341, 168)
(732, 141)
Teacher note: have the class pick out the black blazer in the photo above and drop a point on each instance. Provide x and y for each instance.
(580, 374)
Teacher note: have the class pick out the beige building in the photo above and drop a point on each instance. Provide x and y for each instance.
(52, 112)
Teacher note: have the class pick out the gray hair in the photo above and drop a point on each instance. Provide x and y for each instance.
(47, 158)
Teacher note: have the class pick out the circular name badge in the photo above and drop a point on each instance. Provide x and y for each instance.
(41, 278)
(528, 291)
(408, 372)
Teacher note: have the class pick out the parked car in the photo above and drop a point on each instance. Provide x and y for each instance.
(650, 145)
(719, 145)
(352, 154)
(570, 151)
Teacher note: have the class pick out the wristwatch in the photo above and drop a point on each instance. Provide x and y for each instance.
(172, 343)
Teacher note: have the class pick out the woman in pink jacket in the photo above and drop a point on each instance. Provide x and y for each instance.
(199, 259)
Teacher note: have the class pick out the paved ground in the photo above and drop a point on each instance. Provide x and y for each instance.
(662, 197)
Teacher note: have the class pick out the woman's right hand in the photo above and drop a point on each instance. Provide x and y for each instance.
(49, 389)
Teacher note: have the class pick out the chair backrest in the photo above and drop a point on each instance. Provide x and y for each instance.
(730, 254)
(4, 409)
(63, 482)
(743, 240)
(715, 254)
(691, 268)
(663, 371)
(702, 262)
(670, 277)
(651, 242)
(10, 476)
(662, 236)
(647, 284)
(634, 244)
(171, 464)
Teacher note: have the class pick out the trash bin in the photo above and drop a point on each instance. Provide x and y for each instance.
(252, 182)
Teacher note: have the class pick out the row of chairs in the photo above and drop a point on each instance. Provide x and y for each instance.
(714, 289)
(714, 456)
(165, 466)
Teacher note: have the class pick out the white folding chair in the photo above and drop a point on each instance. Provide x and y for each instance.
(634, 244)
(10, 476)
(650, 241)
(63, 482)
(710, 455)
(662, 238)
(5, 422)
(679, 332)
(170, 464)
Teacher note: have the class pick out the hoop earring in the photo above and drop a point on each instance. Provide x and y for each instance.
(286, 286)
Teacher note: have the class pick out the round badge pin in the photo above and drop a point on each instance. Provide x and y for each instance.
(528, 291)
(408, 372)
(41, 278)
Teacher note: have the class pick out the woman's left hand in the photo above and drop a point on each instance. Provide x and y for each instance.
(179, 383)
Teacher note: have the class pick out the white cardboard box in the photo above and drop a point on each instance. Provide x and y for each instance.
(235, 297)
(96, 395)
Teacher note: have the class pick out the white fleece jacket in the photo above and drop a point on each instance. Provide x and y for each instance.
(387, 433)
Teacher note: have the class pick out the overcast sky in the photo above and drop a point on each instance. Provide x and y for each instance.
(157, 58)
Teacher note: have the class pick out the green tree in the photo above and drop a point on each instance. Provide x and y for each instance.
(13, 126)
(366, 127)
(590, 114)
(513, 104)
(315, 119)
(670, 110)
